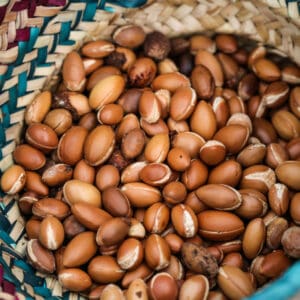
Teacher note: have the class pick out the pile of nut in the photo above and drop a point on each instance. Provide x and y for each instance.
(163, 169)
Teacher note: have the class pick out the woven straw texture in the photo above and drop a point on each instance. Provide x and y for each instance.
(36, 35)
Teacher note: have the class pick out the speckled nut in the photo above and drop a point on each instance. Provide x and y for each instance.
(157, 45)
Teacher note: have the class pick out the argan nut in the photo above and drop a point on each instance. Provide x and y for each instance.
(174, 192)
(287, 174)
(163, 286)
(29, 157)
(226, 43)
(84, 172)
(32, 228)
(234, 259)
(99, 145)
(137, 290)
(295, 208)
(110, 114)
(294, 102)
(170, 81)
(234, 282)
(279, 198)
(90, 216)
(104, 269)
(175, 268)
(194, 288)
(157, 148)
(252, 154)
(178, 159)
(38, 108)
(184, 220)
(133, 143)
(97, 49)
(130, 254)
(157, 252)
(156, 174)
(59, 119)
(107, 176)
(254, 238)
(39, 257)
(202, 42)
(72, 227)
(76, 191)
(275, 94)
(142, 272)
(212, 152)
(290, 241)
(112, 292)
(130, 36)
(228, 227)
(57, 174)
(75, 280)
(80, 250)
(51, 233)
(156, 218)
(266, 70)
(13, 180)
(157, 45)
(73, 72)
(219, 196)
(275, 230)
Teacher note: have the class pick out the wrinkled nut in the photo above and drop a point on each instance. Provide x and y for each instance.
(157, 45)
(199, 260)
(291, 241)
(74, 279)
(275, 230)
(195, 287)
(234, 282)
(13, 180)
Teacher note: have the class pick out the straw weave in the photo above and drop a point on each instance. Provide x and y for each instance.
(33, 44)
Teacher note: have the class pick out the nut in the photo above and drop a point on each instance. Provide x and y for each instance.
(157, 45)
(13, 180)
(74, 279)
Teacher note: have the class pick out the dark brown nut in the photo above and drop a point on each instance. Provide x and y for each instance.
(38, 108)
(231, 69)
(107, 176)
(295, 208)
(276, 154)
(80, 249)
(170, 82)
(13, 180)
(219, 196)
(157, 148)
(99, 145)
(26, 201)
(287, 174)
(157, 45)
(75, 191)
(228, 172)
(179, 45)
(32, 228)
(50, 206)
(90, 216)
(130, 254)
(91, 64)
(51, 233)
(195, 175)
(203, 120)
(266, 70)
(70, 147)
(264, 131)
(203, 82)
(275, 94)
(28, 157)
(247, 86)
(59, 119)
(122, 58)
(212, 152)
(259, 177)
(254, 204)
(174, 192)
(279, 198)
(186, 63)
(184, 220)
(254, 238)
(235, 283)
(252, 154)
(226, 43)
(142, 72)
(294, 102)
(133, 143)
(97, 49)
(101, 73)
(142, 272)
(156, 174)
(199, 260)
(106, 91)
(129, 100)
(228, 227)
(178, 159)
(110, 114)
(39, 257)
(157, 252)
(156, 218)
(291, 241)
(84, 172)
(211, 62)
(234, 259)
(130, 36)
(293, 149)
(57, 174)
(291, 74)
(115, 202)
(73, 72)
(286, 124)
(74, 279)
(141, 194)
(112, 232)
(163, 286)
(275, 231)
(72, 227)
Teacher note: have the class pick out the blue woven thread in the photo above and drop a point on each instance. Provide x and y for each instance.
(89, 11)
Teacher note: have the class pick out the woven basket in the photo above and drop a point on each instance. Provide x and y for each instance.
(35, 36)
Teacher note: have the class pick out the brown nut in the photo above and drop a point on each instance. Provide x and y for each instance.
(294, 102)
(133, 143)
(170, 81)
(91, 64)
(212, 152)
(264, 131)
(157, 148)
(287, 174)
(202, 42)
(13, 180)
(84, 172)
(275, 230)
(72, 227)
(219, 196)
(110, 114)
(293, 149)
(57, 174)
(279, 198)
(37, 110)
(157, 252)
(266, 70)
(32, 228)
(59, 119)
(156, 174)
(157, 45)
(74, 279)
(178, 159)
(149, 107)
(226, 43)
(107, 176)
(275, 94)
(142, 272)
(156, 218)
(294, 208)
(39, 257)
(112, 292)
(234, 259)
(228, 227)
(137, 290)
(76, 191)
(252, 154)
(51, 233)
(130, 254)
(290, 241)
(131, 172)
(130, 36)
(97, 49)
(174, 192)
